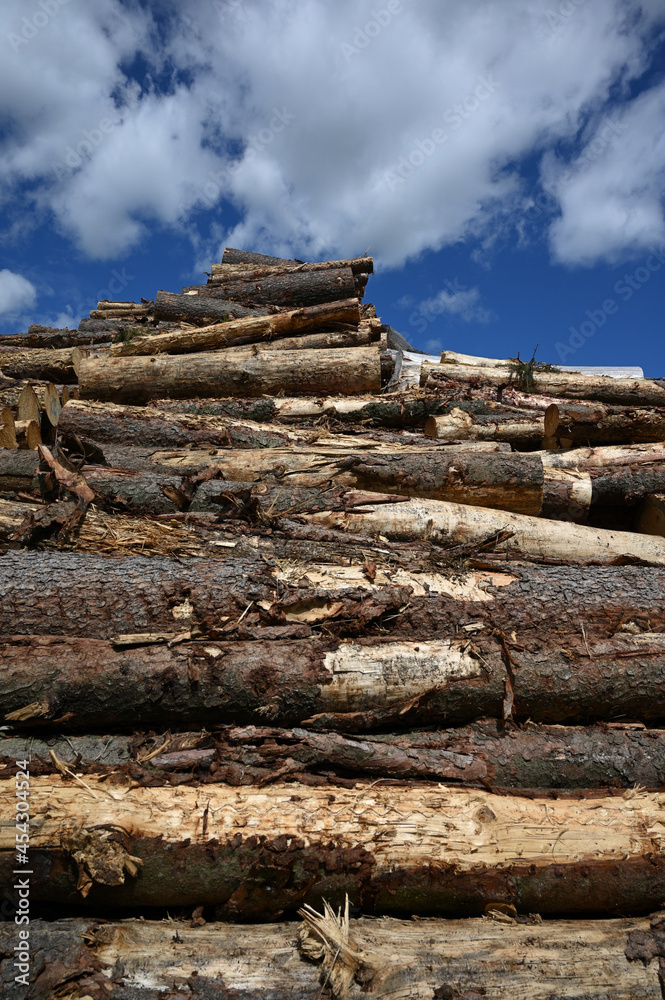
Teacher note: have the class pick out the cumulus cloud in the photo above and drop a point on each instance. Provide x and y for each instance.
(462, 303)
(16, 292)
(309, 128)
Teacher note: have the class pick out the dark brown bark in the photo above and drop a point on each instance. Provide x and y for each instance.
(46, 336)
(291, 289)
(453, 960)
(48, 365)
(87, 683)
(137, 380)
(627, 486)
(18, 469)
(395, 410)
(484, 754)
(505, 482)
(598, 423)
(240, 259)
(201, 310)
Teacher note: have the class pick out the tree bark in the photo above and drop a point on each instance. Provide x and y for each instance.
(484, 754)
(242, 331)
(592, 423)
(359, 265)
(396, 410)
(137, 380)
(101, 596)
(570, 385)
(106, 423)
(18, 469)
(454, 959)
(232, 256)
(531, 484)
(520, 430)
(289, 289)
(259, 853)
(461, 524)
(48, 365)
(46, 336)
(202, 310)
(332, 339)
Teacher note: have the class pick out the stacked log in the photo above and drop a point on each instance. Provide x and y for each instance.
(277, 642)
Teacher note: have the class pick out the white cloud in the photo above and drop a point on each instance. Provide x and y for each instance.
(16, 292)
(463, 304)
(261, 102)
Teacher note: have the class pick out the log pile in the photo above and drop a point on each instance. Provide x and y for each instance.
(312, 690)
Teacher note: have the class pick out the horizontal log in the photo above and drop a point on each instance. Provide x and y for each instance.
(202, 310)
(254, 329)
(347, 686)
(46, 336)
(461, 524)
(257, 853)
(533, 484)
(137, 380)
(330, 339)
(113, 423)
(233, 256)
(59, 366)
(103, 597)
(288, 289)
(604, 458)
(359, 265)
(484, 754)
(394, 410)
(569, 385)
(586, 422)
(520, 430)
(452, 959)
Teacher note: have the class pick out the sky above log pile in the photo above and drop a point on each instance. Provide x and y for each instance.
(502, 160)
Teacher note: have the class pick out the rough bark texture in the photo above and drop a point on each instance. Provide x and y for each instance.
(257, 853)
(402, 960)
(485, 754)
(359, 265)
(352, 687)
(506, 482)
(200, 309)
(623, 391)
(87, 683)
(137, 380)
(101, 597)
(651, 515)
(18, 469)
(395, 410)
(253, 329)
(48, 365)
(596, 423)
(289, 289)
(46, 336)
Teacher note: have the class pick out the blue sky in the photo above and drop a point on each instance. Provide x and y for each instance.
(502, 160)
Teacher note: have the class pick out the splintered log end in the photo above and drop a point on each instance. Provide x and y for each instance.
(35, 710)
(7, 429)
(28, 404)
(52, 404)
(551, 419)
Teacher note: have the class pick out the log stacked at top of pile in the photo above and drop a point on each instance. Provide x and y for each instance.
(275, 635)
